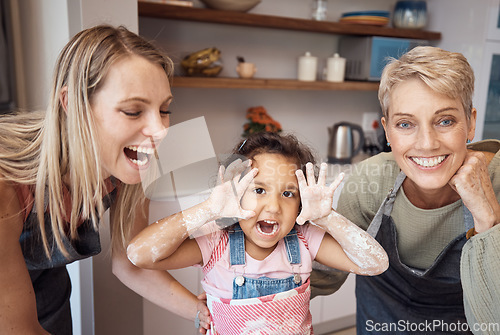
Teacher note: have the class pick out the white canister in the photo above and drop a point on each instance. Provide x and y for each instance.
(308, 67)
(335, 68)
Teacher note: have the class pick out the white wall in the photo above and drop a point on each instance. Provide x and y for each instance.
(39, 37)
(463, 25)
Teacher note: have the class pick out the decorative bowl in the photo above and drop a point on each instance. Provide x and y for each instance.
(233, 5)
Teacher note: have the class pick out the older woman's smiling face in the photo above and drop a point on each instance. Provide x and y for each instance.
(428, 133)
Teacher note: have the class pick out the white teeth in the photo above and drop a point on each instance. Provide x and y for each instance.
(428, 162)
(138, 162)
(143, 150)
(275, 228)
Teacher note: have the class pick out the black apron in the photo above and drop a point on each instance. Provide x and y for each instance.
(49, 277)
(404, 300)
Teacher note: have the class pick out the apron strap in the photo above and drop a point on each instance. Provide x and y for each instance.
(237, 246)
(292, 247)
(217, 253)
(386, 207)
(468, 219)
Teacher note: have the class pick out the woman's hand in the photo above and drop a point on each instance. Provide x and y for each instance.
(316, 197)
(472, 182)
(203, 314)
(225, 198)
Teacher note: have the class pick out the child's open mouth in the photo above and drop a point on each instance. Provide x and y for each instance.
(138, 155)
(267, 227)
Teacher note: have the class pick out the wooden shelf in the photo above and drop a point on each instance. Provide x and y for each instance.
(272, 84)
(159, 10)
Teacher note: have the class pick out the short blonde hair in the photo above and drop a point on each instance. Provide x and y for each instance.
(443, 71)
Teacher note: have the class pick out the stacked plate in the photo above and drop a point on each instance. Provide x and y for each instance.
(372, 17)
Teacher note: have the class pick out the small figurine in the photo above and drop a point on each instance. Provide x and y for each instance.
(244, 69)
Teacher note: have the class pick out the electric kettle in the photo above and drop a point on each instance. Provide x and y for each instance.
(341, 148)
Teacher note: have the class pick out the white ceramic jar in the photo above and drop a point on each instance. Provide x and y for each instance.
(335, 68)
(308, 67)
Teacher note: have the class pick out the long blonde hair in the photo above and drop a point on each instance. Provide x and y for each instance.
(41, 148)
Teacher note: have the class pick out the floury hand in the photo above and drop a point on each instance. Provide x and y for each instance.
(224, 202)
(316, 197)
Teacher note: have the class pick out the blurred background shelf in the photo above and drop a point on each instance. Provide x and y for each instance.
(272, 84)
(159, 10)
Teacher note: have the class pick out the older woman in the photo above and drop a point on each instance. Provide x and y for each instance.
(433, 204)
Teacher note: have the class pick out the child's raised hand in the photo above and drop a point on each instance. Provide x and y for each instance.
(226, 196)
(316, 197)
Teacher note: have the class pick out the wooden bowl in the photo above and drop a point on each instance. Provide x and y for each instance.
(233, 5)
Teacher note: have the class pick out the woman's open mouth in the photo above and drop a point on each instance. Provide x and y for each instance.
(139, 156)
(429, 162)
(267, 227)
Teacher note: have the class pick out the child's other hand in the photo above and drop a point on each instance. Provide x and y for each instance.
(226, 196)
(316, 197)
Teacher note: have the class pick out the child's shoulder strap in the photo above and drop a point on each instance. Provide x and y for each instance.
(217, 252)
(302, 238)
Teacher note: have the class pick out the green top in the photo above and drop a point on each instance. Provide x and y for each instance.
(423, 234)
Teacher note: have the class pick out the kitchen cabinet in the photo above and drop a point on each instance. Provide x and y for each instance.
(159, 10)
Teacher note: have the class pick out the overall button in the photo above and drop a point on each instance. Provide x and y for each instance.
(240, 280)
(296, 278)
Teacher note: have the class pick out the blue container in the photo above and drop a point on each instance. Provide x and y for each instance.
(410, 14)
(366, 57)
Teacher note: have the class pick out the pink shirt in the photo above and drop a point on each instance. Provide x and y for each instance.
(219, 281)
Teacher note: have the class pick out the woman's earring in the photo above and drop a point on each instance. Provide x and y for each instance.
(468, 141)
(388, 144)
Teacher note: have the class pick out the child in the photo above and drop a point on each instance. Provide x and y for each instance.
(257, 270)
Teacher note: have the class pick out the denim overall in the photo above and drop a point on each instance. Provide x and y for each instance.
(244, 287)
(49, 277)
(262, 306)
(409, 300)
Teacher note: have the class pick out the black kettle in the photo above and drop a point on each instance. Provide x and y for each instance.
(341, 147)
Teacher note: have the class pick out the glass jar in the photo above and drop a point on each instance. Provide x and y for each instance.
(319, 10)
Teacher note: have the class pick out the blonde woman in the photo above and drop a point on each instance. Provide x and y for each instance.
(433, 205)
(61, 169)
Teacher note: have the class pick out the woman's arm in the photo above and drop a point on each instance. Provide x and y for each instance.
(480, 273)
(480, 264)
(346, 246)
(18, 314)
(164, 244)
(158, 286)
